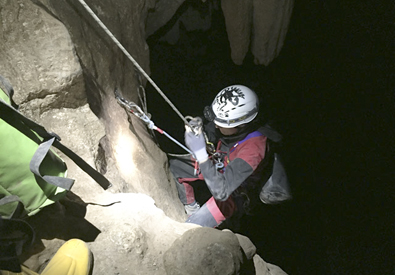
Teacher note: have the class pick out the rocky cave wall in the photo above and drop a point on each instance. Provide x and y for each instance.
(64, 70)
(56, 56)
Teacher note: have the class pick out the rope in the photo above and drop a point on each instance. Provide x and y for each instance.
(136, 110)
(97, 19)
(143, 99)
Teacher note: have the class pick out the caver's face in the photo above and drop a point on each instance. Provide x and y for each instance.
(227, 131)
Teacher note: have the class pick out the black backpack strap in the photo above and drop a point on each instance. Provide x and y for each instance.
(7, 112)
(93, 173)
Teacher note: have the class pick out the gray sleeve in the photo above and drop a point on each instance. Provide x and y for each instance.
(222, 185)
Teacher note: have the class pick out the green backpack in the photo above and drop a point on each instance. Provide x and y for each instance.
(32, 175)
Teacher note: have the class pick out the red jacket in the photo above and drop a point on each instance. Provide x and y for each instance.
(243, 165)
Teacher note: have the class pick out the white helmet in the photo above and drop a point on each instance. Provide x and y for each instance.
(234, 105)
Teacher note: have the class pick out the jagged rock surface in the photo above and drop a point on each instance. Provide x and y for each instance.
(37, 54)
(101, 68)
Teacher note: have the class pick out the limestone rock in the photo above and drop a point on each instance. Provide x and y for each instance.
(115, 226)
(197, 16)
(161, 13)
(81, 131)
(125, 232)
(264, 268)
(39, 59)
(135, 234)
(247, 246)
(190, 16)
(257, 24)
(238, 19)
(204, 251)
(270, 25)
(136, 158)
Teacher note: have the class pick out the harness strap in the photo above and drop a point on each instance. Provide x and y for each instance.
(250, 135)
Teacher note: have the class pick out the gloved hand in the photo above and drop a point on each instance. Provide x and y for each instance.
(197, 144)
(196, 123)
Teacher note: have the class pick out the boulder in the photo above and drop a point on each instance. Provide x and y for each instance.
(264, 268)
(211, 251)
(204, 251)
(39, 59)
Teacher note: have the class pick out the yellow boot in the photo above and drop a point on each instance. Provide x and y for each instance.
(72, 258)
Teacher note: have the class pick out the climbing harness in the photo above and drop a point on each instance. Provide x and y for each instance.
(136, 110)
(220, 157)
(218, 160)
(97, 19)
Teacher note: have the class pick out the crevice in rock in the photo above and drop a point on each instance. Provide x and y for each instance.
(101, 155)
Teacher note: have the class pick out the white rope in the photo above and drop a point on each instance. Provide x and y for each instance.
(97, 19)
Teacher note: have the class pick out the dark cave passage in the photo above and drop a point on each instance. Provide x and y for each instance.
(329, 95)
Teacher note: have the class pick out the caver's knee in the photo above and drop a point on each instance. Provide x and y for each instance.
(209, 215)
